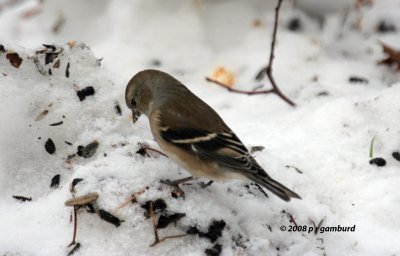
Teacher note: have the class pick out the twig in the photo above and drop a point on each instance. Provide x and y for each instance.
(147, 147)
(154, 222)
(157, 239)
(272, 56)
(131, 198)
(371, 148)
(156, 150)
(239, 91)
(167, 237)
(275, 89)
(75, 227)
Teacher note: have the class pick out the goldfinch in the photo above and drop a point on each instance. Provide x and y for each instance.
(192, 134)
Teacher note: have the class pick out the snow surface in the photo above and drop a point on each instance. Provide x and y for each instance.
(326, 137)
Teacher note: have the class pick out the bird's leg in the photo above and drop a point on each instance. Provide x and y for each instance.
(176, 182)
(177, 191)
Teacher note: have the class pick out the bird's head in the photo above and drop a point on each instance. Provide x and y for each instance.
(150, 88)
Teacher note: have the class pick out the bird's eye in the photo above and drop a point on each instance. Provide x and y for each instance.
(133, 103)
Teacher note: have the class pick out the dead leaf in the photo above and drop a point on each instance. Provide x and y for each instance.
(14, 59)
(71, 43)
(392, 58)
(222, 75)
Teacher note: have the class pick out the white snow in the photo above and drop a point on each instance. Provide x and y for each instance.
(327, 137)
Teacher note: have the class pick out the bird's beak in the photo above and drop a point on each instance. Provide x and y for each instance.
(135, 115)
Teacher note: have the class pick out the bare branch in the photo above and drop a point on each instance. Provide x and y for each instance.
(239, 91)
(268, 70)
(275, 87)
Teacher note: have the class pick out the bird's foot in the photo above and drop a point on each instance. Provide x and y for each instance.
(177, 192)
(204, 185)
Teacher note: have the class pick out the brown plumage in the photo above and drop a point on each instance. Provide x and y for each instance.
(191, 133)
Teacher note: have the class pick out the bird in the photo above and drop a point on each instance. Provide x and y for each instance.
(192, 134)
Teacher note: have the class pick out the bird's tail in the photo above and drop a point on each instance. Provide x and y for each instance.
(275, 187)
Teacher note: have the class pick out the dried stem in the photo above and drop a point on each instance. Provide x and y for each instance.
(292, 219)
(75, 227)
(167, 237)
(131, 198)
(147, 147)
(154, 222)
(275, 89)
(239, 91)
(157, 239)
(156, 150)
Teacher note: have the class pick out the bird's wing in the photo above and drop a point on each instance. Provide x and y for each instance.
(224, 148)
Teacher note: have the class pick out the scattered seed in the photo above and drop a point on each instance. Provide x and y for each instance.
(378, 161)
(67, 71)
(74, 183)
(357, 79)
(118, 109)
(385, 27)
(261, 74)
(104, 215)
(214, 230)
(214, 251)
(166, 218)
(323, 94)
(396, 155)
(2, 49)
(55, 181)
(159, 205)
(294, 167)
(50, 46)
(88, 150)
(50, 57)
(156, 63)
(142, 151)
(295, 24)
(50, 147)
(57, 124)
(56, 64)
(14, 59)
(39, 66)
(42, 115)
(82, 200)
(68, 143)
(23, 198)
(88, 91)
(70, 157)
(50, 73)
(89, 208)
(256, 149)
(76, 247)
